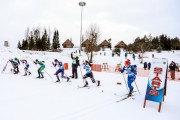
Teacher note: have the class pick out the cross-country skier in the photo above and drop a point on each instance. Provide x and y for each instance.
(75, 64)
(26, 68)
(88, 74)
(131, 71)
(60, 70)
(15, 63)
(41, 68)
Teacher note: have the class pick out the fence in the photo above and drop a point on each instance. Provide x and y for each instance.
(116, 69)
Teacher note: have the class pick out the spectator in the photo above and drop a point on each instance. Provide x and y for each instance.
(149, 65)
(172, 68)
(112, 54)
(125, 55)
(133, 56)
(152, 55)
(75, 64)
(145, 65)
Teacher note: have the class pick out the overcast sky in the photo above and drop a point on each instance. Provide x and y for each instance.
(117, 19)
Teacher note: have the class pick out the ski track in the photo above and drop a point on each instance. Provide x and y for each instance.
(77, 104)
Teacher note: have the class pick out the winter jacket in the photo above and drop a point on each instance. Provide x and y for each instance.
(88, 69)
(130, 70)
(75, 61)
(172, 66)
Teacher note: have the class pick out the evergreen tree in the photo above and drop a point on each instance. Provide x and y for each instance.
(25, 44)
(175, 43)
(19, 45)
(163, 41)
(48, 44)
(155, 42)
(31, 43)
(159, 49)
(44, 40)
(37, 39)
(54, 41)
(56, 44)
(57, 40)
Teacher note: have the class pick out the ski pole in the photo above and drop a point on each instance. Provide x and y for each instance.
(125, 82)
(82, 75)
(5, 66)
(48, 74)
(137, 88)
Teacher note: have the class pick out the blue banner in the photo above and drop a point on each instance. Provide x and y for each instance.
(156, 80)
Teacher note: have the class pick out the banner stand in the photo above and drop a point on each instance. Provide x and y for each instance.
(156, 90)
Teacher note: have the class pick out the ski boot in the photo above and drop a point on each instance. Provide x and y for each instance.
(130, 94)
(58, 81)
(25, 74)
(15, 72)
(98, 83)
(41, 75)
(93, 80)
(68, 79)
(86, 84)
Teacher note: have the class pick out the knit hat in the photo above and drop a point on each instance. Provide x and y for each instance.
(127, 62)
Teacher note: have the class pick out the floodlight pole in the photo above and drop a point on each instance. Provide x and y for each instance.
(81, 4)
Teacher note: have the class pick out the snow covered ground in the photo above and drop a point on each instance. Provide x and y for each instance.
(28, 98)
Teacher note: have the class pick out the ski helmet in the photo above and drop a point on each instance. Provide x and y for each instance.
(37, 60)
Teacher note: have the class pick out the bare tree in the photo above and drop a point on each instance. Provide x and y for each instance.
(93, 35)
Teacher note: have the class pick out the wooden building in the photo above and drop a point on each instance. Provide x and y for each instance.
(85, 43)
(68, 44)
(120, 44)
(104, 44)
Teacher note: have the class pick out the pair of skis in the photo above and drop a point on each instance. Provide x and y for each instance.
(88, 87)
(97, 85)
(125, 96)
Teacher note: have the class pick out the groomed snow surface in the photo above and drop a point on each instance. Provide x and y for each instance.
(29, 98)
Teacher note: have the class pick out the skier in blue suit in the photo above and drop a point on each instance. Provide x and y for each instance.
(60, 70)
(88, 74)
(131, 71)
